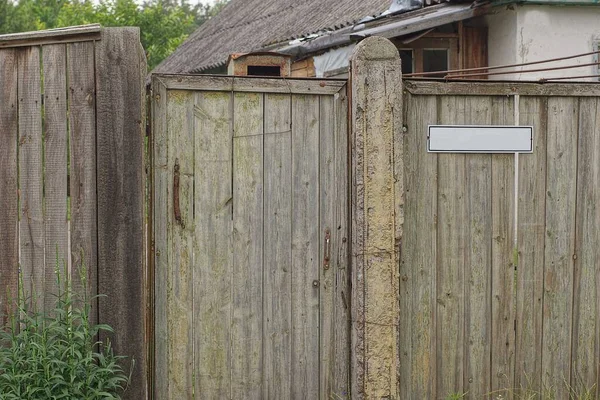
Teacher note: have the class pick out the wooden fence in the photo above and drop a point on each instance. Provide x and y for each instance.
(71, 173)
(477, 313)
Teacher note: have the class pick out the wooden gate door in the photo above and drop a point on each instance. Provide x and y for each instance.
(250, 190)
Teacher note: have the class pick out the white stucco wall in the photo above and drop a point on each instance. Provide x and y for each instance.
(539, 32)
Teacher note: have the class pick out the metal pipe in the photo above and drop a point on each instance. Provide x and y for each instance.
(520, 72)
(452, 71)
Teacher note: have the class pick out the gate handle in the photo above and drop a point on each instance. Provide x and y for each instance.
(327, 249)
(176, 208)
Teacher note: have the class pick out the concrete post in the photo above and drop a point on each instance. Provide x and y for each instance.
(377, 216)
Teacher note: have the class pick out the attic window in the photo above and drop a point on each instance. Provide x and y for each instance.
(263, 70)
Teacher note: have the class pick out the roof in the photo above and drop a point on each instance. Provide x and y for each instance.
(251, 25)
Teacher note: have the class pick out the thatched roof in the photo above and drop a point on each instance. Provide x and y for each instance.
(250, 25)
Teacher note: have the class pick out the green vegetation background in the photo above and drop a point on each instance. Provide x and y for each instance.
(164, 24)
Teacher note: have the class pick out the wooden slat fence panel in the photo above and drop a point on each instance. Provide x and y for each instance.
(585, 366)
(50, 215)
(213, 247)
(9, 212)
(560, 244)
(502, 335)
(31, 187)
(82, 173)
(418, 264)
(247, 277)
(510, 321)
(54, 58)
(270, 178)
(180, 167)
(451, 235)
(120, 195)
(277, 305)
(305, 246)
(531, 238)
(478, 273)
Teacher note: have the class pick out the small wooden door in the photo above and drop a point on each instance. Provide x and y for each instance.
(250, 201)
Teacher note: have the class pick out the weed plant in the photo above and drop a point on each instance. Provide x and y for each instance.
(56, 355)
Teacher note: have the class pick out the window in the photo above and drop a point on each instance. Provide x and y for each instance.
(429, 53)
(407, 57)
(435, 60)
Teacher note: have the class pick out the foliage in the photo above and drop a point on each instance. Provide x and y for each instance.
(55, 355)
(164, 24)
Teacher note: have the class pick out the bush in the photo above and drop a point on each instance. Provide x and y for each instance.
(55, 355)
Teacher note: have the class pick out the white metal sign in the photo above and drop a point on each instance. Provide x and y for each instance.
(479, 139)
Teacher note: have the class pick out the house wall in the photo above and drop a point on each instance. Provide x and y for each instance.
(539, 32)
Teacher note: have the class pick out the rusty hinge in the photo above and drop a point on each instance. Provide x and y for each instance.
(176, 208)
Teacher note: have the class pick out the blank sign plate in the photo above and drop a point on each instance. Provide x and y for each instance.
(479, 139)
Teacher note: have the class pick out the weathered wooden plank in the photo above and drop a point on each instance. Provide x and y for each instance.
(340, 386)
(328, 241)
(54, 58)
(277, 306)
(161, 193)
(247, 277)
(251, 84)
(503, 288)
(418, 264)
(560, 233)
(451, 247)
(530, 244)
(487, 88)
(69, 34)
(586, 321)
(213, 245)
(31, 173)
(120, 196)
(305, 247)
(180, 166)
(478, 258)
(9, 212)
(82, 131)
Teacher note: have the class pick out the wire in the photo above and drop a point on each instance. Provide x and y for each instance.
(452, 71)
(459, 76)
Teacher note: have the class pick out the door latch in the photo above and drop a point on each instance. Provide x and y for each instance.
(327, 249)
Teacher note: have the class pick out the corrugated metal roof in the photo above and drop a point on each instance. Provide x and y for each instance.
(252, 25)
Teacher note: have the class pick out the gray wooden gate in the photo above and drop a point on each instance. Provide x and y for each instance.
(250, 238)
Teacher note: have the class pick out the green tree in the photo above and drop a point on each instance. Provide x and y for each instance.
(164, 24)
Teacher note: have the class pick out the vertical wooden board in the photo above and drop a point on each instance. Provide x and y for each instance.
(502, 267)
(530, 245)
(328, 239)
(418, 263)
(31, 173)
(340, 387)
(82, 131)
(478, 258)
(247, 277)
(560, 240)
(120, 196)
(213, 246)
(54, 58)
(277, 306)
(9, 213)
(161, 193)
(586, 320)
(305, 247)
(452, 248)
(181, 166)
